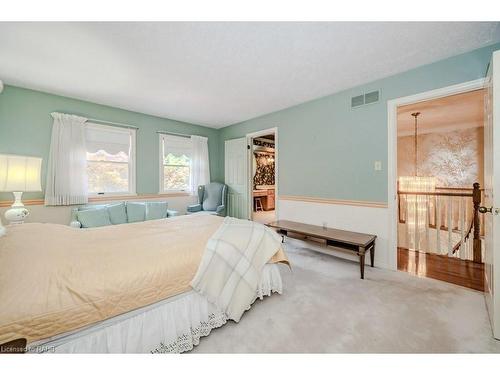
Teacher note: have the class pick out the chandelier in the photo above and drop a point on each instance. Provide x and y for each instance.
(417, 208)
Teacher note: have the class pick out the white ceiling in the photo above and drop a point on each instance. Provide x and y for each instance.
(216, 74)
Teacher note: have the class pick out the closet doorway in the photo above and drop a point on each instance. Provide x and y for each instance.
(262, 169)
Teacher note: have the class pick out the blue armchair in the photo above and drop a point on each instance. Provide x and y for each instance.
(211, 199)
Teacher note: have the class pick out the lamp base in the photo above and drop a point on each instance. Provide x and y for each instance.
(18, 212)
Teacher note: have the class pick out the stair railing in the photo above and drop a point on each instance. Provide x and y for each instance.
(453, 217)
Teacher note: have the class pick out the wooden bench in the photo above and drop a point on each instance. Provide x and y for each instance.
(360, 243)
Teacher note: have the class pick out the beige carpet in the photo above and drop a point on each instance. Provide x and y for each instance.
(326, 308)
(263, 217)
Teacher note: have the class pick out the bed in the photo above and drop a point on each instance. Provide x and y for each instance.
(122, 288)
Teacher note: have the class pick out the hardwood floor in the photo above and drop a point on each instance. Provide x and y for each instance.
(452, 270)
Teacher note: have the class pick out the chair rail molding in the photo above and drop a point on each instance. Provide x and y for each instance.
(333, 201)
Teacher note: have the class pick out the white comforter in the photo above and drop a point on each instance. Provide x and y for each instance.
(232, 264)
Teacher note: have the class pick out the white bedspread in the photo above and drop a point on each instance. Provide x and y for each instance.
(232, 264)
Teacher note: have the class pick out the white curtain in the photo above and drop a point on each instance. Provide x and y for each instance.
(200, 173)
(67, 167)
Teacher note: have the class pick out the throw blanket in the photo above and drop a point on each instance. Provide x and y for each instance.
(232, 264)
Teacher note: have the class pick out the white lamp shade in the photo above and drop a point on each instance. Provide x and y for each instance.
(20, 173)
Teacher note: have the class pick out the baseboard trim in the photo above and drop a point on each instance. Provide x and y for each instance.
(333, 201)
(41, 202)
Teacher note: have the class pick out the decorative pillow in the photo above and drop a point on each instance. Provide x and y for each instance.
(94, 217)
(156, 210)
(117, 213)
(212, 196)
(136, 211)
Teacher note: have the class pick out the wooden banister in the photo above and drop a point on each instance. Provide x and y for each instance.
(460, 243)
(476, 199)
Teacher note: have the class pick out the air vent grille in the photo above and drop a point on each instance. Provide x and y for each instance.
(357, 101)
(364, 99)
(371, 97)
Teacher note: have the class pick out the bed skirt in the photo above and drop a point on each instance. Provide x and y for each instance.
(174, 325)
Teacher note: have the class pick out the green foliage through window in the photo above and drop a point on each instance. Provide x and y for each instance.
(176, 172)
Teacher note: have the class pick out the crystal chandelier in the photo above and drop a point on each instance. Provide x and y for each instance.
(417, 208)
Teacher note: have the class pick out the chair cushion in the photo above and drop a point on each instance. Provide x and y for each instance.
(97, 217)
(212, 198)
(117, 213)
(136, 211)
(156, 210)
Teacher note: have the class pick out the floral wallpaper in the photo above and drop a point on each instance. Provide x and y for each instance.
(264, 174)
(454, 157)
(259, 142)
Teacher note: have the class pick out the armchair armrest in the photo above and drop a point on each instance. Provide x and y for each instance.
(172, 213)
(194, 208)
(221, 210)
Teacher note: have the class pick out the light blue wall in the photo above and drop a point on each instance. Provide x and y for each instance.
(26, 124)
(327, 149)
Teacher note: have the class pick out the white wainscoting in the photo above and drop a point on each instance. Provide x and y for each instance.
(62, 214)
(372, 220)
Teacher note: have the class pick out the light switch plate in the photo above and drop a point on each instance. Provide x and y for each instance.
(378, 165)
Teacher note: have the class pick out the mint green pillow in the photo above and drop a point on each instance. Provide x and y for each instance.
(91, 218)
(117, 213)
(136, 211)
(156, 210)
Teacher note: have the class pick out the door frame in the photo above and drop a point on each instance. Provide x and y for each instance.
(392, 138)
(249, 137)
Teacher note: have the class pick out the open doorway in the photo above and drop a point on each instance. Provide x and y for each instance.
(440, 156)
(263, 176)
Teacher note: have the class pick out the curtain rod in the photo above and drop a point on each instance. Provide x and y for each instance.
(172, 133)
(118, 124)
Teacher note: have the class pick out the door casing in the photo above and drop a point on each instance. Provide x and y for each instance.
(249, 137)
(392, 138)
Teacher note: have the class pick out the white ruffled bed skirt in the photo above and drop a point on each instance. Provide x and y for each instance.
(174, 325)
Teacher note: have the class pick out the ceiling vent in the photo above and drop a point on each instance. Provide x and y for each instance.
(368, 98)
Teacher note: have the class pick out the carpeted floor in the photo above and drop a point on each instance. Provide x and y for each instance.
(326, 308)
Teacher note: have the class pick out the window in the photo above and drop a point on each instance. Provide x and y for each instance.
(175, 163)
(110, 159)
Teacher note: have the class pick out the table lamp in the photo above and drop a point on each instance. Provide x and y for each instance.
(19, 174)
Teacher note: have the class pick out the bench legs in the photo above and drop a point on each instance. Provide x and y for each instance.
(372, 255)
(361, 254)
(283, 234)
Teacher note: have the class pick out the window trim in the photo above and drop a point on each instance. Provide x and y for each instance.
(131, 161)
(161, 141)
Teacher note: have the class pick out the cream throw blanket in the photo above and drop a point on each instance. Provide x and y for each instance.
(232, 264)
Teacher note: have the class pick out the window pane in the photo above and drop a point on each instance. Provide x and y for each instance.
(102, 155)
(176, 160)
(176, 177)
(107, 177)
